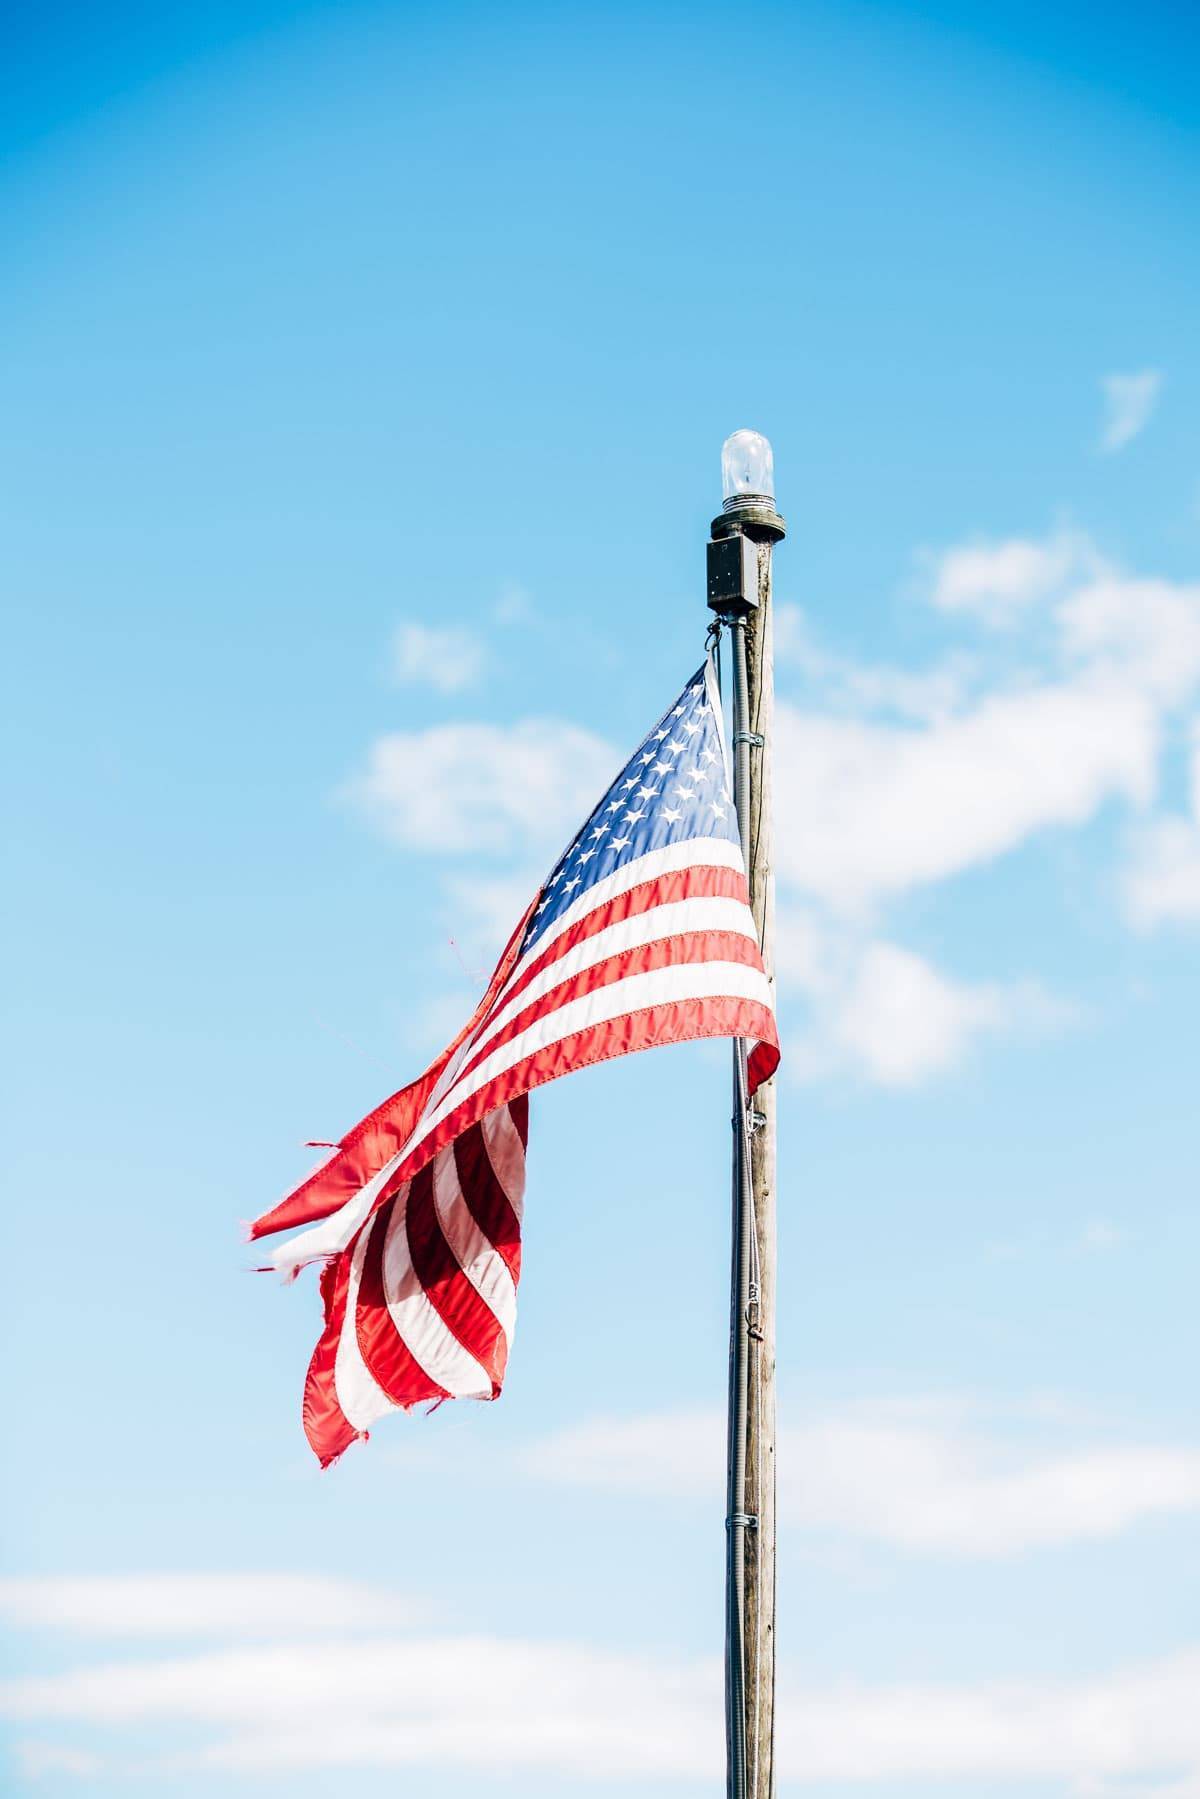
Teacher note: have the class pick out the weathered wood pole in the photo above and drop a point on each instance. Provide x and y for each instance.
(760, 1408)
(739, 591)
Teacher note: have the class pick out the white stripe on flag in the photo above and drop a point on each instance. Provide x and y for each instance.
(698, 852)
(506, 1153)
(693, 852)
(673, 919)
(473, 1249)
(635, 993)
(418, 1322)
(358, 1393)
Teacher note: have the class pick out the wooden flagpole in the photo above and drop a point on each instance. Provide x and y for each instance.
(760, 1407)
(739, 591)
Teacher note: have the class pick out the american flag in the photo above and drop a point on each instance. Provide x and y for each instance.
(642, 935)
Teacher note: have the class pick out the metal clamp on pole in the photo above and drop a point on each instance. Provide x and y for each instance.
(754, 738)
(742, 1521)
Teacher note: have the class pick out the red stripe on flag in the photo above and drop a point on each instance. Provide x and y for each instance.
(643, 958)
(466, 1316)
(672, 1021)
(363, 1152)
(326, 1426)
(699, 880)
(488, 1203)
(388, 1359)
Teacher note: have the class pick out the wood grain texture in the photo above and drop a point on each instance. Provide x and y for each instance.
(760, 1452)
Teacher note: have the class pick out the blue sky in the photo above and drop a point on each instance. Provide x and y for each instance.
(365, 372)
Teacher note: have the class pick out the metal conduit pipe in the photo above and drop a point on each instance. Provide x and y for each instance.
(737, 1522)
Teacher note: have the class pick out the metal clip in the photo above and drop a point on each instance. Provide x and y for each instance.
(755, 739)
(755, 1120)
(746, 1520)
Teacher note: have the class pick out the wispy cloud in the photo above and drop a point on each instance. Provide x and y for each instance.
(466, 1702)
(1129, 401)
(487, 908)
(1099, 1236)
(512, 1704)
(928, 1483)
(200, 1605)
(1141, 1720)
(447, 658)
(876, 1009)
(997, 580)
(514, 605)
(847, 685)
(902, 1021)
(870, 808)
(39, 1760)
(472, 787)
(1162, 881)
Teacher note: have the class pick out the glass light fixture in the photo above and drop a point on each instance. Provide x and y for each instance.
(747, 469)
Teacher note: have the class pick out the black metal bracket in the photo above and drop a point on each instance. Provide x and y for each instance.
(733, 574)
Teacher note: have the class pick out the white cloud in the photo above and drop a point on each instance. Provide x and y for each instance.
(945, 1493)
(448, 658)
(902, 1021)
(881, 1011)
(1128, 402)
(199, 1605)
(1162, 882)
(37, 1760)
(1140, 1720)
(473, 787)
(1141, 635)
(489, 907)
(676, 1454)
(865, 810)
(804, 956)
(514, 606)
(478, 1702)
(868, 687)
(1099, 1236)
(870, 807)
(505, 1704)
(916, 1481)
(997, 581)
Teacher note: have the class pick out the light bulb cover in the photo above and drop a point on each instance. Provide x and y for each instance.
(747, 468)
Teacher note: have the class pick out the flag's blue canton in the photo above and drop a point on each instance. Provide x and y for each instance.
(674, 786)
